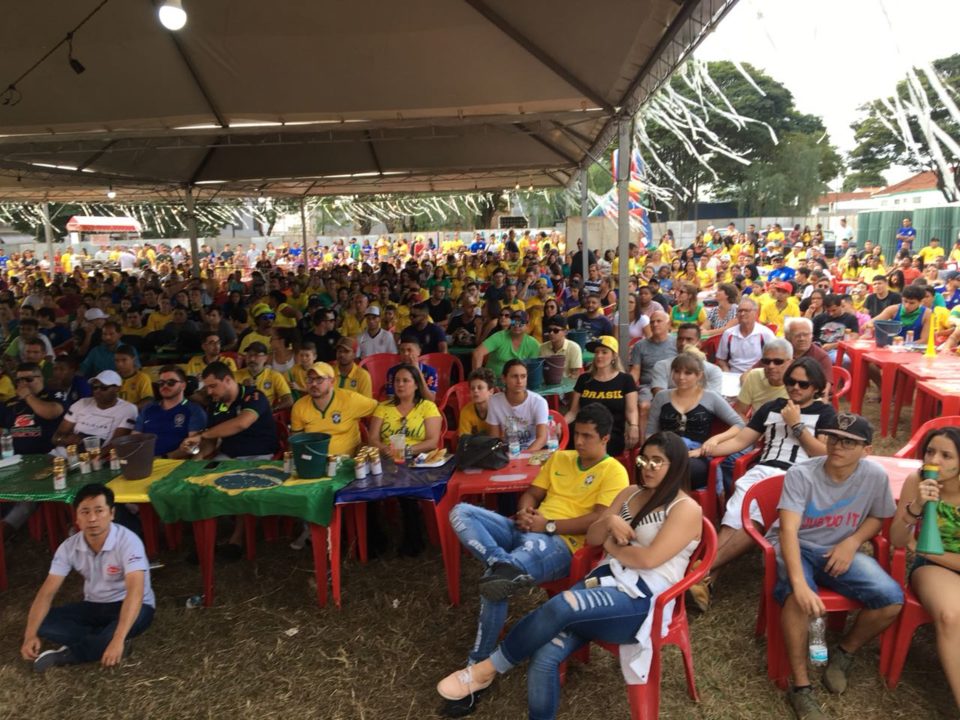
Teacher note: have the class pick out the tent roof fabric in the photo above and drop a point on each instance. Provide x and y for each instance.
(327, 96)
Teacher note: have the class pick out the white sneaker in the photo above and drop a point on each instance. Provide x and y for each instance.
(301, 542)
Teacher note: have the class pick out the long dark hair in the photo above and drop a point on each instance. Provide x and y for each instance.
(950, 433)
(678, 474)
(421, 392)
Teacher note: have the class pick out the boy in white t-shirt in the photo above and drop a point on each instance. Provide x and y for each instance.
(516, 407)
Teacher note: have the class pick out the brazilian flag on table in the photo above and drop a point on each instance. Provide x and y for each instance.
(197, 491)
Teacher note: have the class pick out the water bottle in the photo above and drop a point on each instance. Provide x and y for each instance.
(513, 438)
(553, 439)
(6, 444)
(909, 337)
(818, 642)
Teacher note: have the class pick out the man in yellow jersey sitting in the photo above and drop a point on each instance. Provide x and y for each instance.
(332, 410)
(351, 376)
(263, 318)
(780, 305)
(136, 387)
(210, 343)
(568, 494)
(272, 384)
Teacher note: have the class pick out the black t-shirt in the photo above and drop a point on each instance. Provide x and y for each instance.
(326, 345)
(439, 312)
(875, 305)
(429, 338)
(258, 439)
(32, 435)
(827, 329)
(612, 394)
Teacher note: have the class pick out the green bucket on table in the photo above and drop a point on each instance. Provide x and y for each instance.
(580, 337)
(310, 454)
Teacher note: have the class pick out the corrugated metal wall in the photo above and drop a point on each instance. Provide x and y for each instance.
(882, 225)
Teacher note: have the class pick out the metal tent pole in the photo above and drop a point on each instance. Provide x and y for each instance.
(623, 231)
(48, 233)
(584, 200)
(192, 230)
(303, 228)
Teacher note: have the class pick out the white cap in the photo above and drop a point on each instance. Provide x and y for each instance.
(108, 377)
(95, 314)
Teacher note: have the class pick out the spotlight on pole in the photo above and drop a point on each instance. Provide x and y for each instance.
(75, 64)
(172, 15)
(111, 193)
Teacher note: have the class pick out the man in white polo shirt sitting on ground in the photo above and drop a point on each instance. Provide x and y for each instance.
(118, 602)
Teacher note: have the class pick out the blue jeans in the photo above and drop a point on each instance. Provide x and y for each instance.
(833, 358)
(87, 627)
(864, 581)
(493, 538)
(560, 627)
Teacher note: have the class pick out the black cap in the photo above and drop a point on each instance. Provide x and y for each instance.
(556, 321)
(849, 425)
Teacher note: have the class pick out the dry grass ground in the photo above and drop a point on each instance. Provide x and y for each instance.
(381, 655)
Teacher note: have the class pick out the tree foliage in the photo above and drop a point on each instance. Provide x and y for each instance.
(804, 149)
(881, 143)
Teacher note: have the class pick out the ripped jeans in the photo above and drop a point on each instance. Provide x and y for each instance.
(493, 538)
(560, 627)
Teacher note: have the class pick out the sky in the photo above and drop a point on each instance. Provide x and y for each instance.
(835, 55)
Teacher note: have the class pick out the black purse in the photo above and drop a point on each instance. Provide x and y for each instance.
(481, 451)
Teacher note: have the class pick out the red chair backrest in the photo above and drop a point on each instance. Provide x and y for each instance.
(912, 447)
(281, 420)
(710, 346)
(449, 370)
(842, 383)
(766, 494)
(236, 357)
(378, 365)
(564, 429)
(453, 401)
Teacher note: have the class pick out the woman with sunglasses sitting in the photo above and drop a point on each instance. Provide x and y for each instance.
(649, 534)
(689, 410)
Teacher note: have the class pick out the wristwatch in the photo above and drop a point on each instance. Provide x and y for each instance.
(798, 429)
(551, 527)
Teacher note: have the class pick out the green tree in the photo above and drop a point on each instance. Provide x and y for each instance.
(775, 106)
(878, 146)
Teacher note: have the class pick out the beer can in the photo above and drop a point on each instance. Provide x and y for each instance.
(59, 474)
(361, 468)
(333, 464)
(376, 467)
(84, 463)
(288, 462)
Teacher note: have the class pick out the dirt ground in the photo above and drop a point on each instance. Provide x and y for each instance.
(266, 651)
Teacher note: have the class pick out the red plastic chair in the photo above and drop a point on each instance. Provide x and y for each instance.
(912, 447)
(842, 384)
(564, 428)
(378, 365)
(710, 346)
(449, 370)
(645, 699)
(766, 494)
(452, 402)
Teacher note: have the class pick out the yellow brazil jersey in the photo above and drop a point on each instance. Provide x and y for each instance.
(666, 252)
(7, 391)
(771, 314)
(158, 321)
(470, 422)
(706, 277)
(340, 419)
(197, 365)
(357, 380)
(413, 424)
(138, 332)
(137, 387)
(573, 492)
(297, 377)
(929, 254)
(272, 384)
(351, 326)
(66, 262)
(517, 304)
(284, 321)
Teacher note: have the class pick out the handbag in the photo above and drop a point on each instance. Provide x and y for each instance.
(481, 451)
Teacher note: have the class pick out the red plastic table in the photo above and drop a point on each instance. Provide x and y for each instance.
(897, 470)
(945, 367)
(468, 482)
(929, 392)
(888, 361)
(856, 351)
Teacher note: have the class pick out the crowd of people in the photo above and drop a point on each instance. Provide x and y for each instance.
(133, 343)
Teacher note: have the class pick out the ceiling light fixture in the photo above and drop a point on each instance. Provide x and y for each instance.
(77, 66)
(111, 193)
(172, 15)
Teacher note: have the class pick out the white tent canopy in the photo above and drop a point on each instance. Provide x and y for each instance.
(309, 97)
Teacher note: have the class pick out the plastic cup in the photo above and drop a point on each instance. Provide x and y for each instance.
(398, 448)
(91, 443)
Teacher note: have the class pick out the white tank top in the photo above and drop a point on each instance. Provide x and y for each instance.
(671, 571)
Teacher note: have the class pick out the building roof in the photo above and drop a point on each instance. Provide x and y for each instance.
(920, 182)
(838, 197)
(310, 97)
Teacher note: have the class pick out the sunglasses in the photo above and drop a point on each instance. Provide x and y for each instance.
(772, 361)
(168, 383)
(651, 463)
(505, 315)
(802, 384)
(554, 331)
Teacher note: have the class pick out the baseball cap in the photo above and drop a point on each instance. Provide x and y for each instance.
(785, 286)
(261, 309)
(322, 369)
(257, 347)
(607, 341)
(95, 314)
(556, 321)
(849, 425)
(952, 275)
(347, 342)
(108, 377)
(373, 310)
(519, 316)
